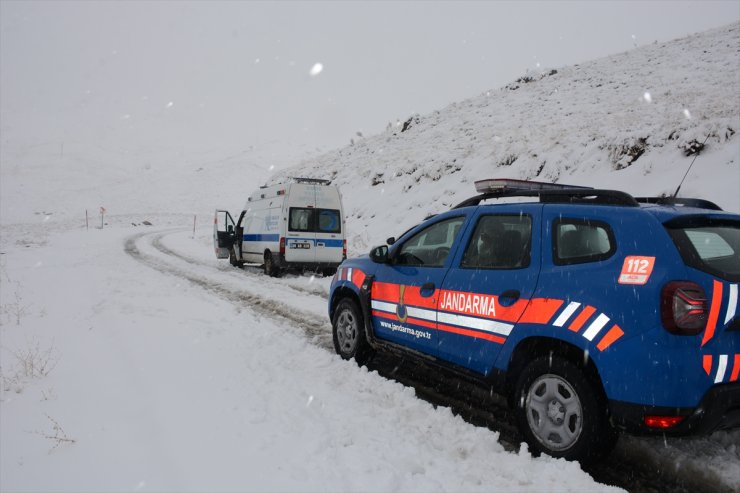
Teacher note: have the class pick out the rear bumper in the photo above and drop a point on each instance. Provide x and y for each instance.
(718, 410)
(283, 264)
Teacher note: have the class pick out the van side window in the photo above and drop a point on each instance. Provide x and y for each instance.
(499, 242)
(578, 241)
(430, 246)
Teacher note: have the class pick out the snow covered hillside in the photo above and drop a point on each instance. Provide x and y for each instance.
(631, 121)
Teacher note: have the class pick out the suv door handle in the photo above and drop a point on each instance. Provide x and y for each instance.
(509, 297)
(427, 290)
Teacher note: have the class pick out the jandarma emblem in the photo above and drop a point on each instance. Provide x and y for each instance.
(401, 312)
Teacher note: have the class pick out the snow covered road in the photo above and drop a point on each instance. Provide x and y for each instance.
(154, 383)
(174, 371)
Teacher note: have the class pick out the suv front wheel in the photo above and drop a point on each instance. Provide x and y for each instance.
(561, 413)
(348, 332)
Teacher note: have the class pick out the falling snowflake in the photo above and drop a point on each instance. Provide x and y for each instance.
(316, 69)
(647, 97)
(170, 104)
(687, 113)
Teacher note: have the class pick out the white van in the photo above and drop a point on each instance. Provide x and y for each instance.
(299, 224)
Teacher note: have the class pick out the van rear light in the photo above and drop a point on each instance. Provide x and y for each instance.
(282, 246)
(683, 308)
(344, 249)
(662, 422)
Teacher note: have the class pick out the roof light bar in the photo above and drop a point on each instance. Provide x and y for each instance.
(507, 184)
(317, 181)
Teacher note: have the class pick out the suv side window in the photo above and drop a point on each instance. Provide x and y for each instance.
(499, 242)
(430, 246)
(578, 241)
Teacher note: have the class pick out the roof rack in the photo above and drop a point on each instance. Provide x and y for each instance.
(317, 181)
(680, 201)
(547, 192)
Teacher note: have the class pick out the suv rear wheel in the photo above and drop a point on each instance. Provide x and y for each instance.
(561, 413)
(348, 332)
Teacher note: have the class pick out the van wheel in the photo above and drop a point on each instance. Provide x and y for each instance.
(270, 268)
(269, 265)
(348, 332)
(561, 412)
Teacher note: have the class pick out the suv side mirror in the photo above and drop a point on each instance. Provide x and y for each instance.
(379, 254)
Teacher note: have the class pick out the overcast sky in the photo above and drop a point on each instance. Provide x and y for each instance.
(231, 74)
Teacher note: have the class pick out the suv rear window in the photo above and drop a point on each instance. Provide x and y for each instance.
(710, 245)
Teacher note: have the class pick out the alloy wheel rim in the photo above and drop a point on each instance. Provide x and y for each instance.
(554, 412)
(346, 331)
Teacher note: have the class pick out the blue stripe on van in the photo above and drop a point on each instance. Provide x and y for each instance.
(276, 238)
(327, 243)
(333, 243)
(261, 238)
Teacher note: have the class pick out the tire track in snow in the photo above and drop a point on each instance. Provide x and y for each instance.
(246, 272)
(315, 328)
(627, 467)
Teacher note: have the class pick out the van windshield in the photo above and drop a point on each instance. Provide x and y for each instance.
(710, 245)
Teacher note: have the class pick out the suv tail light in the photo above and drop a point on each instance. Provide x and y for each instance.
(662, 422)
(683, 308)
(282, 246)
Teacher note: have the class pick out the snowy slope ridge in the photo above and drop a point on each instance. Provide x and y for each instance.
(631, 121)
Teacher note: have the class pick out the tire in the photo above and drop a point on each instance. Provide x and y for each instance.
(271, 269)
(348, 332)
(561, 413)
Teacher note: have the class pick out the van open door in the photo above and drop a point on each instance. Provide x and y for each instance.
(223, 233)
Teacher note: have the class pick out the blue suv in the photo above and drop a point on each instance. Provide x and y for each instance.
(593, 311)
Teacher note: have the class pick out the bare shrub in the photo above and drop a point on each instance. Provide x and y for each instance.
(33, 361)
(626, 153)
(14, 309)
(692, 147)
(57, 435)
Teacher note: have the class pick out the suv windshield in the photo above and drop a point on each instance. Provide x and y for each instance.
(710, 245)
